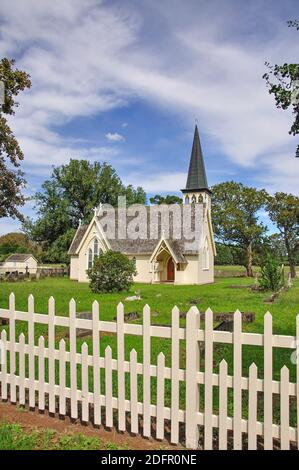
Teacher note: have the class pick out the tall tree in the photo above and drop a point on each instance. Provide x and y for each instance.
(11, 177)
(283, 210)
(283, 83)
(168, 199)
(235, 217)
(71, 193)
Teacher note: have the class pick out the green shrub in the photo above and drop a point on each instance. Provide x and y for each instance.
(111, 272)
(271, 274)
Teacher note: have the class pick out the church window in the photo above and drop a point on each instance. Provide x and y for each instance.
(187, 200)
(193, 200)
(96, 247)
(94, 250)
(90, 258)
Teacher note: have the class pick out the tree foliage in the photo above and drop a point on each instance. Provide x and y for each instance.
(271, 274)
(11, 177)
(283, 83)
(235, 217)
(111, 272)
(70, 195)
(15, 242)
(283, 210)
(169, 199)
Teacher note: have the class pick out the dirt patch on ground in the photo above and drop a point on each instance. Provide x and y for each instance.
(33, 419)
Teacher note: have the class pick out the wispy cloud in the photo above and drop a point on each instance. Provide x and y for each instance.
(189, 59)
(114, 137)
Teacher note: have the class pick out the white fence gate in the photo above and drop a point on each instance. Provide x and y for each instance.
(24, 365)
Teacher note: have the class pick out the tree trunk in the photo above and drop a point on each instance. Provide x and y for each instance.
(291, 259)
(249, 270)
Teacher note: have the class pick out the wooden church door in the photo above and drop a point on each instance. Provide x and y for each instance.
(170, 270)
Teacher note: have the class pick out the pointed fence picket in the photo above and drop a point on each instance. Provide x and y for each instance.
(18, 383)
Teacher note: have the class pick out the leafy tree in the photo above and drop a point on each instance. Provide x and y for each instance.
(71, 193)
(11, 177)
(271, 274)
(111, 272)
(58, 251)
(169, 199)
(235, 217)
(283, 211)
(283, 83)
(224, 255)
(15, 242)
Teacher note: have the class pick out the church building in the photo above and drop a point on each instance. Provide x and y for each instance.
(165, 257)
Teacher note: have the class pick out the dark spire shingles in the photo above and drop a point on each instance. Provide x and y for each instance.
(197, 178)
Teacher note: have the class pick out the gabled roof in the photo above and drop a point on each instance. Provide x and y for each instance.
(197, 178)
(20, 257)
(173, 248)
(77, 239)
(141, 246)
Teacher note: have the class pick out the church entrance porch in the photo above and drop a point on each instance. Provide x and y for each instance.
(163, 263)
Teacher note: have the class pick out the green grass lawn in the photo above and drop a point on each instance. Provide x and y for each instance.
(225, 295)
(14, 437)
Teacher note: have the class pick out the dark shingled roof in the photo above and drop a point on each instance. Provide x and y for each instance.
(77, 239)
(197, 178)
(19, 257)
(144, 246)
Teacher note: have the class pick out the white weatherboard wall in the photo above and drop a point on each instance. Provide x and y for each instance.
(15, 382)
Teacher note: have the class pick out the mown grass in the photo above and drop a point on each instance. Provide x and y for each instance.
(225, 295)
(14, 437)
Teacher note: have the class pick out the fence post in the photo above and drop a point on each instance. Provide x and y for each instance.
(208, 413)
(297, 375)
(4, 365)
(73, 360)
(268, 377)
(51, 349)
(96, 363)
(120, 368)
(12, 351)
(223, 405)
(237, 380)
(192, 405)
(146, 371)
(284, 409)
(252, 407)
(31, 356)
(175, 365)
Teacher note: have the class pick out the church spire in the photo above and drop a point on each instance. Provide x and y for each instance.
(197, 179)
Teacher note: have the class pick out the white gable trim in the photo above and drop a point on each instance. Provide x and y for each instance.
(101, 233)
(163, 240)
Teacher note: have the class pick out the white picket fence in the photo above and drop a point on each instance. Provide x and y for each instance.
(30, 384)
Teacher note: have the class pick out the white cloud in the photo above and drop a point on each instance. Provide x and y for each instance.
(114, 137)
(201, 59)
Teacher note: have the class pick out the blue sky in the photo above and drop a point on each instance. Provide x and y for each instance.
(123, 82)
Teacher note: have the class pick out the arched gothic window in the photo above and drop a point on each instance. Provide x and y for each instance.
(90, 258)
(193, 200)
(96, 247)
(187, 200)
(93, 250)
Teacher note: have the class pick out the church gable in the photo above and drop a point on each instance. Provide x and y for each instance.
(181, 251)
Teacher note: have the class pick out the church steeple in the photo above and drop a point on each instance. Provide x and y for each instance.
(197, 188)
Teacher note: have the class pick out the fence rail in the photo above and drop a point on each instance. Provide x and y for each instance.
(24, 365)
